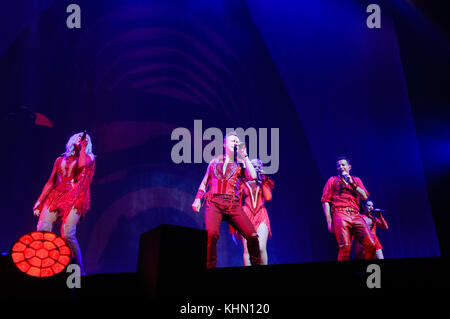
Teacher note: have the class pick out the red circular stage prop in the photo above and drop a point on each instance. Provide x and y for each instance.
(41, 254)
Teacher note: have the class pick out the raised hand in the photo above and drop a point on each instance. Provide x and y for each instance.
(330, 228)
(36, 211)
(242, 150)
(196, 205)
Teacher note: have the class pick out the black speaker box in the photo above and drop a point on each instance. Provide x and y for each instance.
(171, 260)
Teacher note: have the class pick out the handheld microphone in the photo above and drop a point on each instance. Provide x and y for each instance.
(377, 210)
(84, 135)
(237, 146)
(345, 176)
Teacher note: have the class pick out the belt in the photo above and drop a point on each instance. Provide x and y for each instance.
(226, 197)
(346, 209)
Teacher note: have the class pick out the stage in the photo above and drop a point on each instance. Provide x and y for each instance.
(161, 276)
(132, 130)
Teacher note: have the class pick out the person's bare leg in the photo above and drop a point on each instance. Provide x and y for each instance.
(46, 220)
(263, 234)
(68, 232)
(246, 256)
(379, 254)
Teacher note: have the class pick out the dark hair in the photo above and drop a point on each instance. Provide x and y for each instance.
(363, 203)
(340, 158)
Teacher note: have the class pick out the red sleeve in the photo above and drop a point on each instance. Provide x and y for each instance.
(360, 184)
(328, 191)
(82, 195)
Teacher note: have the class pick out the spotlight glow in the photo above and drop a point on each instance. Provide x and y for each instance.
(41, 254)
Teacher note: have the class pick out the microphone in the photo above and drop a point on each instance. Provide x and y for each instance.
(84, 135)
(236, 146)
(345, 176)
(377, 210)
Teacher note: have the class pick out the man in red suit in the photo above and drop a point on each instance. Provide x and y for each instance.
(223, 179)
(340, 197)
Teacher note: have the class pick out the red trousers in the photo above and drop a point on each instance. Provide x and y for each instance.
(218, 209)
(348, 224)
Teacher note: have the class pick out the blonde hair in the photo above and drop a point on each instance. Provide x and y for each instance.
(231, 133)
(70, 145)
(257, 161)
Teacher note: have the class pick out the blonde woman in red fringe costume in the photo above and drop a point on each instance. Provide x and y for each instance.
(66, 194)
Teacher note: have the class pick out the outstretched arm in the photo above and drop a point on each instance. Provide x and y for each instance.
(326, 200)
(381, 222)
(47, 188)
(327, 211)
(201, 191)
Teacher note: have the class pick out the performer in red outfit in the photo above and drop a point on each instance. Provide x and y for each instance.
(373, 219)
(224, 176)
(66, 194)
(341, 197)
(256, 193)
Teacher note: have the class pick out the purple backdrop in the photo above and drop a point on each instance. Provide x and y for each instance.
(136, 70)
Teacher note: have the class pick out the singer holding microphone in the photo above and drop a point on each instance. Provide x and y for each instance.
(340, 203)
(373, 218)
(66, 194)
(220, 187)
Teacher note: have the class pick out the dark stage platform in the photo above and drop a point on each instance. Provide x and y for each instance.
(161, 276)
(243, 292)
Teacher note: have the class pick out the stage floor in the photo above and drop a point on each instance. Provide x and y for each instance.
(263, 284)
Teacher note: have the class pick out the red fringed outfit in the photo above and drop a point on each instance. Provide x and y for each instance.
(67, 187)
(371, 222)
(253, 205)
